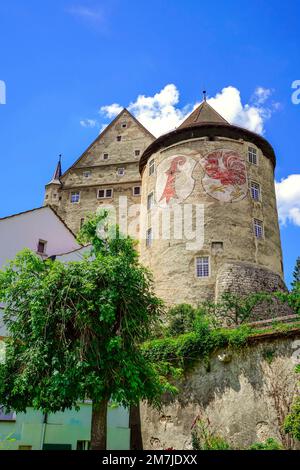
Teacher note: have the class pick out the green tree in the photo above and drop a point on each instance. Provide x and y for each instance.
(75, 329)
(296, 275)
(292, 421)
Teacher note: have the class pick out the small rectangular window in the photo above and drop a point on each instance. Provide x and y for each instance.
(137, 191)
(258, 228)
(41, 248)
(105, 156)
(255, 191)
(105, 193)
(137, 153)
(119, 138)
(150, 201)
(202, 266)
(149, 237)
(75, 197)
(252, 155)
(121, 171)
(151, 167)
(86, 174)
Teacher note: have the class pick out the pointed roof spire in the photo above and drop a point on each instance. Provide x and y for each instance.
(203, 114)
(57, 173)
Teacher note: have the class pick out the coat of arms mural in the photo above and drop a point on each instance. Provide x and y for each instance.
(174, 181)
(225, 175)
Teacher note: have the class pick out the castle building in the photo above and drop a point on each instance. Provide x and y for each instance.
(202, 198)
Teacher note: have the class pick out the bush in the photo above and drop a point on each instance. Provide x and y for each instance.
(204, 439)
(269, 444)
(180, 319)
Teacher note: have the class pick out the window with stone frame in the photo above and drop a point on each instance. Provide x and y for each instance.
(121, 171)
(149, 237)
(136, 190)
(255, 190)
(151, 167)
(202, 266)
(41, 248)
(105, 193)
(75, 197)
(150, 201)
(252, 155)
(258, 228)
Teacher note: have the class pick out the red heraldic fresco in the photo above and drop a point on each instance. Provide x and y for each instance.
(225, 175)
(174, 180)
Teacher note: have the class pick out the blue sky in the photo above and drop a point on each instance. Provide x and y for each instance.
(63, 60)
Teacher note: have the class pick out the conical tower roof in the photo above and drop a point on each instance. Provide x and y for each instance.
(203, 114)
(57, 173)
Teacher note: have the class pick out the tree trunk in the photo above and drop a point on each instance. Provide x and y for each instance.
(136, 440)
(99, 425)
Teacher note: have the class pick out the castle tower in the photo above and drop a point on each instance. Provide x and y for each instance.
(52, 193)
(210, 174)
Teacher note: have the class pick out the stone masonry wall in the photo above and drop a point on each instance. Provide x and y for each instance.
(245, 395)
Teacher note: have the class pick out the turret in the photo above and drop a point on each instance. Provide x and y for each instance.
(52, 189)
(214, 182)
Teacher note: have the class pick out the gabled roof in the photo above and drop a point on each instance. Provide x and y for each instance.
(111, 124)
(203, 114)
(38, 209)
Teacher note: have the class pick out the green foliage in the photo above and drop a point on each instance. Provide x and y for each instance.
(292, 420)
(75, 328)
(268, 355)
(291, 298)
(269, 444)
(204, 439)
(234, 310)
(180, 319)
(296, 275)
(200, 343)
(6, 441)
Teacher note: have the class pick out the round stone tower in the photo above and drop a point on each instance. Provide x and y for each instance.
(209, 219)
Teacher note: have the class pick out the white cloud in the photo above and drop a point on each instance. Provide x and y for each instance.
(160, 113)
(251, 116)
(88, 123)
(288, 199)
(112, 110)
(261, 95)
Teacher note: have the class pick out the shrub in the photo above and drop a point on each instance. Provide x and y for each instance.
(204, 439)
(269, 444)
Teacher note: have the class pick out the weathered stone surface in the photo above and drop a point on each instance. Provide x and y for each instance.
(228, 227)
(244, 398)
